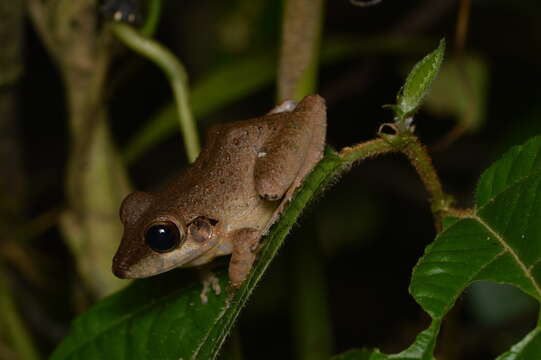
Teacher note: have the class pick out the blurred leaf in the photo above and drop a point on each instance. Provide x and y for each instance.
(241, 25)
(341, 48)
(417, 84)
(529, 348)
(12, 325)
(495, 305)
(90, 224)
(461, 90)
(163, 318)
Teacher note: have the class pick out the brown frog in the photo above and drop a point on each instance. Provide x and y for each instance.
(228, 198)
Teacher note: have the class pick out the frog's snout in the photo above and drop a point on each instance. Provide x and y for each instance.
(120, 267)
(124, 261)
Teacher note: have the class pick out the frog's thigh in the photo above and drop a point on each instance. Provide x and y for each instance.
(293, 151)
(281, 157)
(243, 256)
(315, 105)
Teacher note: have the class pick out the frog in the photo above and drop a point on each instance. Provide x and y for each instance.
(227, 200)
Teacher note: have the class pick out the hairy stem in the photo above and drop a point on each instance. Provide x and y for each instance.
(176, 74)
(408, 144)
(366, 150)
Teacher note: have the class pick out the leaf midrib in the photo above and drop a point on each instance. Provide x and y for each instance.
(500, 238)
(509, 250)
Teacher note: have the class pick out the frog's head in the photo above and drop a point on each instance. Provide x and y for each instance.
(157, 239)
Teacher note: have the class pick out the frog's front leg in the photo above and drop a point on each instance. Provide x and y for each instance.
(245, 243)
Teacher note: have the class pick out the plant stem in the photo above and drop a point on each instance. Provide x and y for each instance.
(176, 74)
(331, 166)
(366, 150)
(154, 10)
(461, 30)
(409, 145)
(299, 53)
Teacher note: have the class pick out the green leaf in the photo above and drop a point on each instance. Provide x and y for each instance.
(500, 241)
(355, 354)
(461, 90)
(163, 318)
(418, 82)
(527, 349)
(421, 349)
(150, 319)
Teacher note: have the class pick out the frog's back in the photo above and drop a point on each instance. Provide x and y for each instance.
(221, 181)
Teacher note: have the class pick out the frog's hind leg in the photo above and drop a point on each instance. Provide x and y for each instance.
(286, 158)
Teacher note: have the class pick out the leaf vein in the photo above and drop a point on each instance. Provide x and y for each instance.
(510, 250)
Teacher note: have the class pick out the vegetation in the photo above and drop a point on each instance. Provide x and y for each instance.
(342, 277)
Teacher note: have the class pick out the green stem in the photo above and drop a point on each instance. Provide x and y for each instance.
(366, 150)
(331, 166)
(153, 18)
(176, 74)
(408, 144)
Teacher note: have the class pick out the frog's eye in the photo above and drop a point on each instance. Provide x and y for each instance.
(163, 237)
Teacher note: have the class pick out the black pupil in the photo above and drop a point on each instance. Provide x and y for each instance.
(162, 237)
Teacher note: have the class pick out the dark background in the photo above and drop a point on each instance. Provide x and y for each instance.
(372, 226)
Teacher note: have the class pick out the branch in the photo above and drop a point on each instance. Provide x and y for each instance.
(299, 53)
(408, 144)
(176, 75)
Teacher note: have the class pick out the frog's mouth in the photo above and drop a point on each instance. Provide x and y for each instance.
(135, 263)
